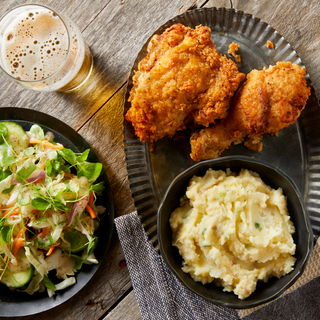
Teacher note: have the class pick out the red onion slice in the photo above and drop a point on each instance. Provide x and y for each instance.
(39, 175)
(15, 181)
(77, 208)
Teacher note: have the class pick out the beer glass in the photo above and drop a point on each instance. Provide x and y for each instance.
(43, 50)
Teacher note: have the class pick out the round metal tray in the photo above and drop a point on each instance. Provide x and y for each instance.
(296, 150)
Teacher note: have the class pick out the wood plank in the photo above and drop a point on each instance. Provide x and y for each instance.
(115, 35)
(56, 104)
(116, 30)
(298, 22)
(83, 14)
(127, 309)
(104, 133)
(51, 103)
(218, 4)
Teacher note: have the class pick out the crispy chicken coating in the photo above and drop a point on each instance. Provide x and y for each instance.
(233, 49)
(183, 78)
(270, 45)
(270, 100)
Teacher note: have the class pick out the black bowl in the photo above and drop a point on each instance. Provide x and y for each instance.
(273, 177)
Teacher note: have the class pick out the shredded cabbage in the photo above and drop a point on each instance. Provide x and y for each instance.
(40, 189)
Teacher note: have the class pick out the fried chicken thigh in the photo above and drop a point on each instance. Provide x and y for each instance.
(183, 78)
(270, 100)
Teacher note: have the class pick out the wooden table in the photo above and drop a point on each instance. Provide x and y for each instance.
(115, 30)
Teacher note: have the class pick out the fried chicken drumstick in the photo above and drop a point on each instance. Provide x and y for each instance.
(183, 78)
(270, 99)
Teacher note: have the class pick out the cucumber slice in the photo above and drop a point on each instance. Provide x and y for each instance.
(19, 275)
(17, 137)
(3, 132)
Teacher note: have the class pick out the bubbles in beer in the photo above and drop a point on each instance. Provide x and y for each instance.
(36, 47)
(27, 52)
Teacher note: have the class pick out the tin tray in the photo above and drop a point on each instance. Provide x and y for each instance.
(296, 150)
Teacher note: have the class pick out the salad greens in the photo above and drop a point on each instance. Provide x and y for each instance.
(48, 215)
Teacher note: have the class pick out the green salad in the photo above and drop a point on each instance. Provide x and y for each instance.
(48, 215)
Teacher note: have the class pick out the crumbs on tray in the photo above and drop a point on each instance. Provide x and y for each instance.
(270, 45)
(233, 48)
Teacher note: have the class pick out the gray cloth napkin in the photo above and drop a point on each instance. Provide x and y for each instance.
(161, 296)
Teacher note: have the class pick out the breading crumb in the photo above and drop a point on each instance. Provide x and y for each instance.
(270, 45)
(233, 48)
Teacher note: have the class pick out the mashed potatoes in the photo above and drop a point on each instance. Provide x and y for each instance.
(234, 230)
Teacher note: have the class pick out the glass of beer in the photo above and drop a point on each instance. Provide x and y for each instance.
(43, 50)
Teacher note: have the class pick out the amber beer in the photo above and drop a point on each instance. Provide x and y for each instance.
(43, 50)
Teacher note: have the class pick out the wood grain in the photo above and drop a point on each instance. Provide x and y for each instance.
(55, 104)
(115, 31)
(298, 22)
(218, 4)
(104, 133)
(127, 308)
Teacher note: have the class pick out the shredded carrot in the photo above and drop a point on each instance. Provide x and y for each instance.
(89, 209)
(45, 143)
(50, 250)
(44, 231)
(18, 241)
(17, 246)
(13, 212)
(19, 236)
(91, 198)
(5, 259)
(67, 175)
(43, 166)
(34, 211)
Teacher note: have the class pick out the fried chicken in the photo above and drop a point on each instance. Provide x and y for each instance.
(270, 100)
(183, 78)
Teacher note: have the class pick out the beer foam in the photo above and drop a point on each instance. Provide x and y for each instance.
(35, 45)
